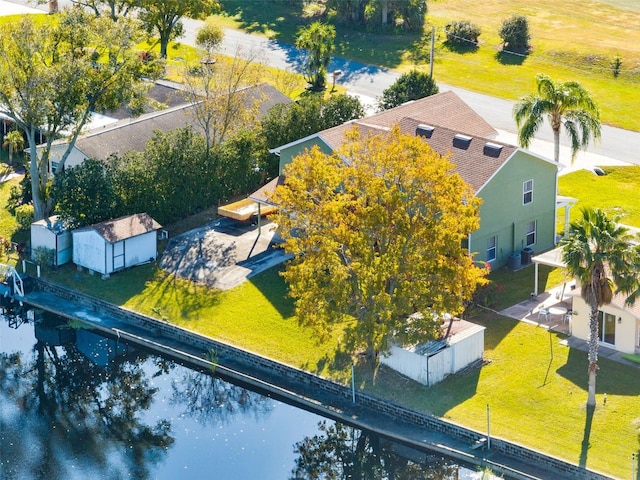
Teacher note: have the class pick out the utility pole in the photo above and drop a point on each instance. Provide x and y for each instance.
(433, 45)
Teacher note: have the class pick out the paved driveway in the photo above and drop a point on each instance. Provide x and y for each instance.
(223, 253)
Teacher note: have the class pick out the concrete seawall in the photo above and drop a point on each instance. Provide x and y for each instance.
(328, 398)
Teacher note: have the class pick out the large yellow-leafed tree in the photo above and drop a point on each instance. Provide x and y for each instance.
(376, 232)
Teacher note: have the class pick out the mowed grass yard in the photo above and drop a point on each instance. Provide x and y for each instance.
(535, 400)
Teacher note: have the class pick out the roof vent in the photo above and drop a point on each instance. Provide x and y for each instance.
(492, 149)
(424, 130)
(461, 141)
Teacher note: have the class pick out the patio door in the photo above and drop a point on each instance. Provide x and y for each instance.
(606, 328)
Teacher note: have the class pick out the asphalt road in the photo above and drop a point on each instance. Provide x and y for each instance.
(369, 81)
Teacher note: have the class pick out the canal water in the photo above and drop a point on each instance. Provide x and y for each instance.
(77, 405)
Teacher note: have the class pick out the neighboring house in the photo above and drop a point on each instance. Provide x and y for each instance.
(133, 134)
(117, 244)
(461, 346)
(618, 325)
(53, 236)
(518, 188)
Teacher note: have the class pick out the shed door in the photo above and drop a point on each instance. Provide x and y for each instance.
(118, 256)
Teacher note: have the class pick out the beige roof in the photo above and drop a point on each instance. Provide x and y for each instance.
(124, 227)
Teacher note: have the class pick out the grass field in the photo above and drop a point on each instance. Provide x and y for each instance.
(572, 40)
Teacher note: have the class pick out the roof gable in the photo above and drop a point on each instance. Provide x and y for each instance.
(445, 109)
(124, 227)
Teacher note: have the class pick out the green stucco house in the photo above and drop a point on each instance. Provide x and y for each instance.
(518, 188)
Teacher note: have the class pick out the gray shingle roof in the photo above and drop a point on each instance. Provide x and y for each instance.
(133, 134)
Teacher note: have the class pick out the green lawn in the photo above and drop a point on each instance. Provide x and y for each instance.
(616, 192)
(534, 400)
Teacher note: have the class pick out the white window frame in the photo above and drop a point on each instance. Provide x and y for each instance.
(493, 248)
(527, 192)
(530, 232)
(638, 339)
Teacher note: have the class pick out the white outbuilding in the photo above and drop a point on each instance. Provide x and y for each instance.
(461, 345)
(117, 244)
(51, 235)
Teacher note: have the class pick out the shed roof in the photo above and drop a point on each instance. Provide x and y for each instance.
(124, 227)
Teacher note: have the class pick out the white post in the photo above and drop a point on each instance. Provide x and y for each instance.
(488, 428)
(535, 285)
(38, 270)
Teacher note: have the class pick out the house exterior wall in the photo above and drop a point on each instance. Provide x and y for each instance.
(503, 215)
(433, 369)
(288, 154)
(76, 157)
(90, 251)
(626, 325)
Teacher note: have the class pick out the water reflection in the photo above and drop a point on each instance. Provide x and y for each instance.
(64, 408)
(76, 405)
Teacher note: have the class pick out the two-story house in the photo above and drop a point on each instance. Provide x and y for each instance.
(518, 188)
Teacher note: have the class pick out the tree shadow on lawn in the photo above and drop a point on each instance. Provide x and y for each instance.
(255, 18)
(613, 378)
(505, 57)
(271, 284)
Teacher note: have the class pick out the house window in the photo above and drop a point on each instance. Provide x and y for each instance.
(531, 233)
(492, 242)
(527, 192)
(606, 327)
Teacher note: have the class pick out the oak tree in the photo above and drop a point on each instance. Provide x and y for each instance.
(376, 232)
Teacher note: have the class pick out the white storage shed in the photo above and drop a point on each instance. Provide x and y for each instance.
(429, 363)
(53, 236)
(117, 244)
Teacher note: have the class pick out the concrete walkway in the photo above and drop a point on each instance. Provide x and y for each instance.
(529, 311)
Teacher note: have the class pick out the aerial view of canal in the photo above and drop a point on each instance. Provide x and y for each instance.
(78, 405)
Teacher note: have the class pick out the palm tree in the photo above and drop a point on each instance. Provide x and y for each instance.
(15, 141)
(318, 39)
(565, 104)
(597, 252)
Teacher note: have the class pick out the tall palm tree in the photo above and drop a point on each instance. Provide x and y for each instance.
(597, 252)
(565, 104)
(318, 39)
